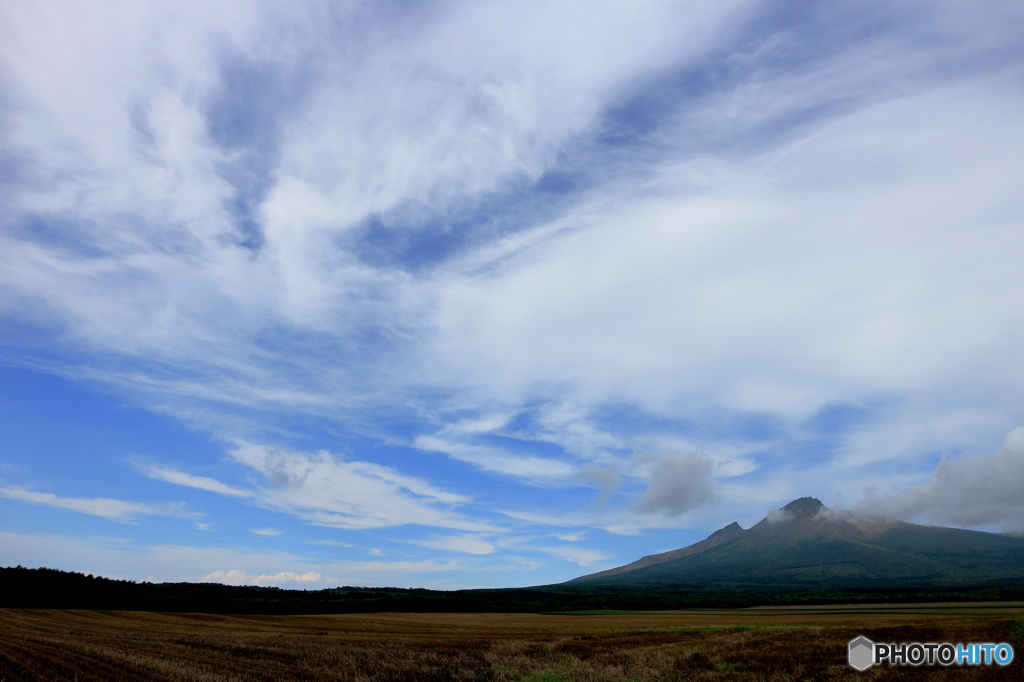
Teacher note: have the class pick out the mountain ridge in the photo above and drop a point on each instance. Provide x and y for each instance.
(804, 544)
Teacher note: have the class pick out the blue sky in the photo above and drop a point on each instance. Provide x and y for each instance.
(465, 294)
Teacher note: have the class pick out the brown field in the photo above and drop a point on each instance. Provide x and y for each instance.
(755, 644)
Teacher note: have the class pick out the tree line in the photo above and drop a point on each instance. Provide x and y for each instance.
(55, 589)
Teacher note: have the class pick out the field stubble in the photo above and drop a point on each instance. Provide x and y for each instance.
(757, 644)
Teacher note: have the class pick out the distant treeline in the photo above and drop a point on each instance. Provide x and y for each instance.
(22, 587)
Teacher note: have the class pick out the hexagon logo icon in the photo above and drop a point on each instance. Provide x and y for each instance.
(862, 653)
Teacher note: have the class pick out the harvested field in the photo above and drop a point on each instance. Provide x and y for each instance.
(757, 644)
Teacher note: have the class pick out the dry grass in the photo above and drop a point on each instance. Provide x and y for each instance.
(757, 644)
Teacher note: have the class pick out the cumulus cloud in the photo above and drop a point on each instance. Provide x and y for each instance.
(678, 483)
(981, 490)
(239, 577)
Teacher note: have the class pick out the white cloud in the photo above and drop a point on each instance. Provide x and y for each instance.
(267, 532)
(201, 482)
(331, 543)
(838, 228)
(924, 429)
(467, 544)
(644, 298)
(420, 118)
(570, 537)
(980, 490)
(529, 467)
(674, 303)
(783, 291)
(577, 555)
(619, 521)
(289, 578)
(486, 424)
(330, 490)
(402, 566)
(112, 509)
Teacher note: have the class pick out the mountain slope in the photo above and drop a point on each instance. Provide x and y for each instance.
(806, 545)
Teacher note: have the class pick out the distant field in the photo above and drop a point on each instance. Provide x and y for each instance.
(761, 644)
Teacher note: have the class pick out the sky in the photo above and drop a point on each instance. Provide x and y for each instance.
(496, 294)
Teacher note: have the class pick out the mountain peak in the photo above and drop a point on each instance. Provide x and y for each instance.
(805, 508)
(805, 545)
(731, 529)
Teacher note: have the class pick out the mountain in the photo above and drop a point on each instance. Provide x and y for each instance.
(807, 545)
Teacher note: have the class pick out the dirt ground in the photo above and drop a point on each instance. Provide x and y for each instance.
(755, 644)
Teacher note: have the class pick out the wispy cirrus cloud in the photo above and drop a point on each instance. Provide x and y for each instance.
(638, 313)
(267, 532)
(535, 239)
(466, 544)
(578, 555)
(489, 458)
(329, 490)
(108, 508)
(169, 475)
